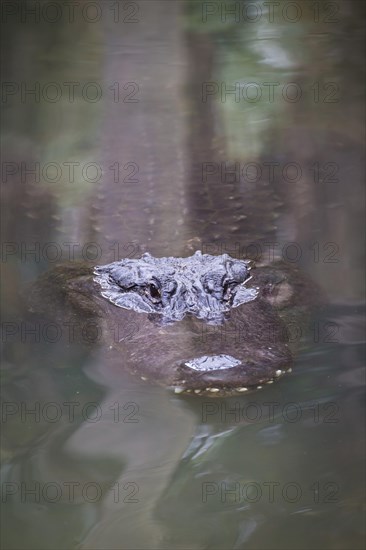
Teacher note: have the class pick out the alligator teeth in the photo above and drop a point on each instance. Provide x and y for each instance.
(242, 389)
(178, 390)
(278, 372)
(259, 387)
(212, 389)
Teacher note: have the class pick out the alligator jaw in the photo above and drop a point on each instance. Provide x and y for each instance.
(224, 375)
(227, 391)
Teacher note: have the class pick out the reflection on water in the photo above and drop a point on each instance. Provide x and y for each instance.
(239, 133)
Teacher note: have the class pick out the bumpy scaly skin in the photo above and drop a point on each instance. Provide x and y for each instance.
(203, 285)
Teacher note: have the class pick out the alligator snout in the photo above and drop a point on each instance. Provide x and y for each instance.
(225, 374)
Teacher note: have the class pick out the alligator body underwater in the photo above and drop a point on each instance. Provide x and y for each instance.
(206, 325)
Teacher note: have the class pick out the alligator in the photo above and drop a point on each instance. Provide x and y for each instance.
(210, 328)
(203, 324)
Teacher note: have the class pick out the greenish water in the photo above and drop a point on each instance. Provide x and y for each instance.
(158, 125)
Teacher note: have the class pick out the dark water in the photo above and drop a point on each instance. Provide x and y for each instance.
(167, 127)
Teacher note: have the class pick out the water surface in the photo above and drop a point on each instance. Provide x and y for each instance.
(185, 127)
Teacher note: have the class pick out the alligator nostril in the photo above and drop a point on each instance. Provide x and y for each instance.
(207, 363)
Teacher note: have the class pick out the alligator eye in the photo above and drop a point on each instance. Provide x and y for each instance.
(154, 292)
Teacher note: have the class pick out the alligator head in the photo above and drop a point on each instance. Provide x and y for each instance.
(202, 285)
(204, 330)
